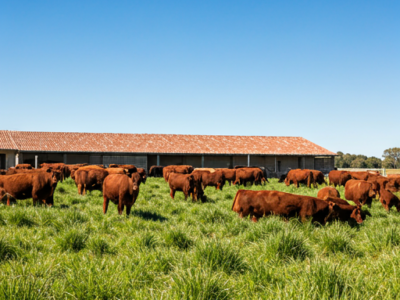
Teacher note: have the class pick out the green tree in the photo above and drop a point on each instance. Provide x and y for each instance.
(359, 162)
(392, 157)
(373, 162)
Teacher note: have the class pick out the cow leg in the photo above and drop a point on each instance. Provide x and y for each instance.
(80, 189)
(8, 200)
(84, 190)
(128, 210)
(105, 204)
(254, 219)
(120, 207)
(172, 193)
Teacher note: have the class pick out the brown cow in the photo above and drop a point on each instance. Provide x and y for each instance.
(360, 191)
(328, 192)
(65, 173)
(388, 200)
(181, 182)
(299, 176)
(121, 190)
(116, 171)
(263, 203)
(338, 177)
(198, 191)
(318, 176)
(181, 169)
(344, 211)
(229, 174)
(211, 170)
(39, 186)
(142, 173)
(24, 166)
(216, 178)
(360, 175)
(90, 179)
(252, 175)
(156, 171)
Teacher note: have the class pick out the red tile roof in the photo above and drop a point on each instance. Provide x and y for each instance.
(157, 143)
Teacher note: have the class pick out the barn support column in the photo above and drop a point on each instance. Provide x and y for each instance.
(276, 165)
(158, 160)
(65, 158)
(16, 159)
(202, 161)
(36, 161)
(248, 160)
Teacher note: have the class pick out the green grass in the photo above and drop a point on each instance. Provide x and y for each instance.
(177, 249)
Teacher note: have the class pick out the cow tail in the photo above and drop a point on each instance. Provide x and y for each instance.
(235, 199)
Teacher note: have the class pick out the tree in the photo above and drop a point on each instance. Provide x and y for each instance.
(359, 162)
(373, 162)
(392, 157)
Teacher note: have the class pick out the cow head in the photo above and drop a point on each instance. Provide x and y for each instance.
(356, 214)
(55, 177)
(372, 190)
(287, 182)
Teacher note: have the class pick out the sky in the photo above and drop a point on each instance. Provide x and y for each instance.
(328, 71)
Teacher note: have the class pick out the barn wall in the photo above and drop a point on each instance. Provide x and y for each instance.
(309, 162)
(217, 161)
(258, 161)
(166, 160)
(240, 160)
(29, 158)
(288, 162)
(151, 160)
(193, 160)
(9, 158)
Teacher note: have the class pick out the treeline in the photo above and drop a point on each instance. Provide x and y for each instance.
(391, 160)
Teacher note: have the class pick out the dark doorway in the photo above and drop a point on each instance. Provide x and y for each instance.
(2, 161)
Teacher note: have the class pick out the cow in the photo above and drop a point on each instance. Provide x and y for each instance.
(319, 177)
(198, 190)
(130, 169)
(216, 179)
(142, 173)
(338, 178)
(388, 200)
(90, 179)
(263, 203)
(328, 192)
(156, 171)
(181, 182)
(39, 186)
(360, 191)
(229, 174)
(24, 166)
(299, 176)
(211, 170)
(360, 175)
(3, 172)
(282, 178)
(6, 198)
(116, 171)
(343, 211)
(121, 190)
(252, 175)
(181, 169)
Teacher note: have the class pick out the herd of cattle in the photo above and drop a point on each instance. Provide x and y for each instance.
(120, 184)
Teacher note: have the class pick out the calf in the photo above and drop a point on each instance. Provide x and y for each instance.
(360, 191)
(121, 190)
(263, 203)
(181, 182)
(328, 192)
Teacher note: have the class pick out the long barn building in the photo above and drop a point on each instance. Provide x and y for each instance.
(275, 154)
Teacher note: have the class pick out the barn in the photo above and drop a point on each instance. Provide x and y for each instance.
(275, 154)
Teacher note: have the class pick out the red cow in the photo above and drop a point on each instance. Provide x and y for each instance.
(328, 192)
(360, 191)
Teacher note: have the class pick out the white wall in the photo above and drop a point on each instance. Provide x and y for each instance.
(10, 157)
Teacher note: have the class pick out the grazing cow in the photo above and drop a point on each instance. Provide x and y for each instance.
(299, 176)
(252, 175)
(116, 171)
(211, 170)
(184, 169)
(198, 191)
(24, 166)
(338, 178)
(229, 174)
(142, 173)
(181, 182)
(39, 186)
(282, 178)
(360, 175)
(328, 192)
(216, 178)
(90, 179)
(57, 166)
(344, 211)
(156, 171)
(360, 191)
(263, 203)
(130, 169)
(319, 177)
(387, 198)
(121, 190)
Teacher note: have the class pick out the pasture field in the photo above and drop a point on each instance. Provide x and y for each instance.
(176, 249)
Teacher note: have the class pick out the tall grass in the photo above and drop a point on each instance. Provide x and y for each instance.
(177, 249)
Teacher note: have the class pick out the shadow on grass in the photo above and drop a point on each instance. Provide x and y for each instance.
(149, 216)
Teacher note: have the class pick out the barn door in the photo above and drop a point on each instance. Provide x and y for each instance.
(2, 161)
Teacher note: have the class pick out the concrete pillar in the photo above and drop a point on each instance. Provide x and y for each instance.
(248, 160)
(16, 159)
(158, 160)
(36, 161)
(202, 161)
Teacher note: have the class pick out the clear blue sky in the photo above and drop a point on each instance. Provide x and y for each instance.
(325, 70)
